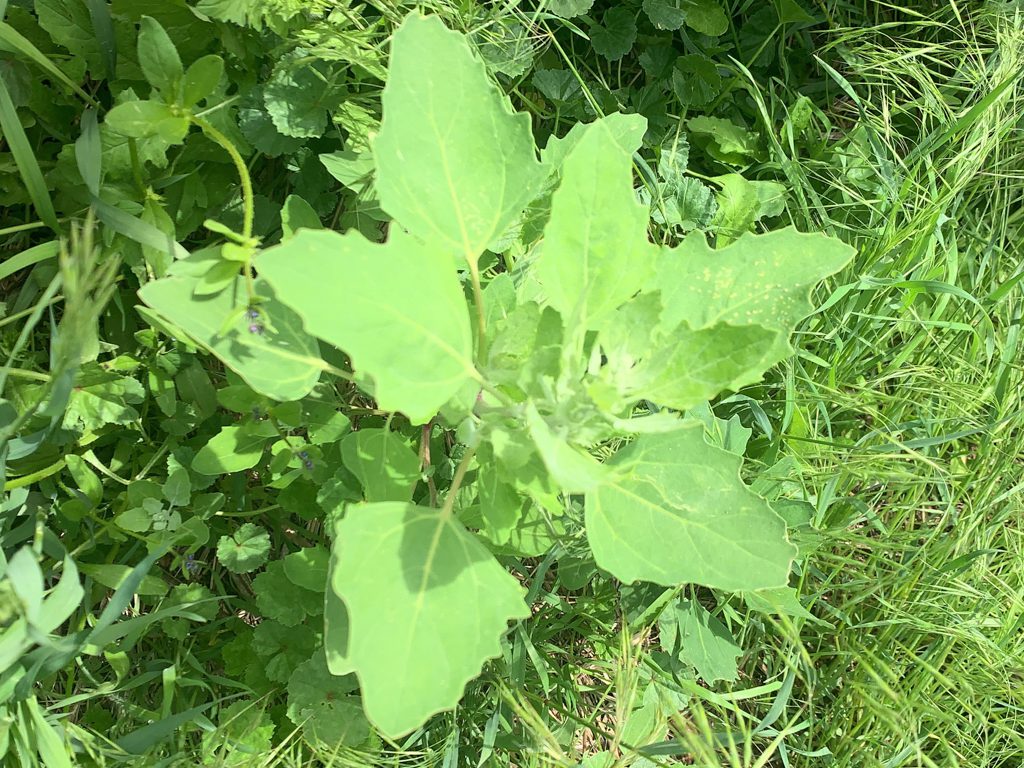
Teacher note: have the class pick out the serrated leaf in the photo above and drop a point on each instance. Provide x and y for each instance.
(386, 466)
(298, 99)
(282, 363)
(558, 85)
(69, 24)
(704, 16)
(454, 164)
(245, 550)
(677, 512)
(595, 253)
(614, 36)
(695, 80)
(695, 637)
(279, 599)
(427, 604)
(568, 9)
(324, 705)
(695, 205)
(409, 333)
(707, 17)
(763, 280)
(727, 140)
(282, 649)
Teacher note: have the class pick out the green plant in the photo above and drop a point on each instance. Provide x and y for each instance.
(565, 343)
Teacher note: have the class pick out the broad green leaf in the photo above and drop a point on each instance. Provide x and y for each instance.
(677, 512)
(707, 17)
(454, 164)
(69, 24)
(409, 332)
(595, 254)
(572, 470)
(704, 16)
(386, 466)
(201, 79)
(114, 576)
(695, 80)
(233, 449)
(143, 119)
(279, 599)
(742, 203)
(614, 36)
(427, 605)
(691, 634)
(282, 363)
(298, 98)
(283, 649)
(686, 367)
(298, 214)
(501, 506)
(567, 9)
(158, 57)
(336, 623)
(245, 550)
(307, 568)
(325, 707)
(727, 140)
(763, 280)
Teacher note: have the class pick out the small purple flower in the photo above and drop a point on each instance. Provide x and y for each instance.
(256, 328)
(252, 313)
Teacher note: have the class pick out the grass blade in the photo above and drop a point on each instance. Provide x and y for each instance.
(25, 159)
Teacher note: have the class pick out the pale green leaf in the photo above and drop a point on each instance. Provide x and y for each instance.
(386, 466)
(677, 512)
(595, 254)
(409, 333)
(233, 449)
(144, 119)
(685, 367)
(695, 637)
(763, 280)
(573, 470)
(501, 506)
(569, 8)
(282, 363)
(307, 568)
(158, 57)
(245, 550)
(454, 164)
(427, 605)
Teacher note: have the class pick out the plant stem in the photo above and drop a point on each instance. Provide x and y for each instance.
(453, 489)
(478, 299)
(248, 199)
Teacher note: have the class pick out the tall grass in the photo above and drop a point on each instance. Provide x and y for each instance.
(911, 407)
